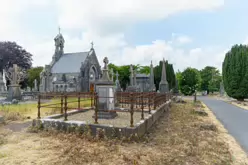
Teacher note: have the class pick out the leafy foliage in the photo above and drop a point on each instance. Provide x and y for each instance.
(11, 53)
(64, 78)
(235, 72)
(170, 74)
(189, 81)
(211, 79)
(34, 73)
(123, 72)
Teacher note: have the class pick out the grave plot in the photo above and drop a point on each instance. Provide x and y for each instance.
(132, 113)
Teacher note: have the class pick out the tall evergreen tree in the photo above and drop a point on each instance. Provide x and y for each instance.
(235, 72)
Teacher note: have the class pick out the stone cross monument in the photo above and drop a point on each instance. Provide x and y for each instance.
(131, 75)
(105, 91)
(15, 75)
(134, 78)
(112, 74)
(163, 85)
(117, 82)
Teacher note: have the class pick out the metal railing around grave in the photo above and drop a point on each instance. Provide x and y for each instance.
(128, 102)
(54, 103)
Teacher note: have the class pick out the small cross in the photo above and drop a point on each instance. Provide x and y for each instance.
(92, 44)
(59, 29)
(117, 75)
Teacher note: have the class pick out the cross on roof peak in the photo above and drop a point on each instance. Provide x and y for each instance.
(92, 44)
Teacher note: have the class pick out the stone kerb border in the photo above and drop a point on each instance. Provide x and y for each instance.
(109, 130)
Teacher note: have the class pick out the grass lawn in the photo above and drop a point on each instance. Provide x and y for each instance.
(22, 112)
(177, 139)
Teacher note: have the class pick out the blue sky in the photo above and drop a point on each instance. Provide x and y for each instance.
(196, 33)
(223, 27)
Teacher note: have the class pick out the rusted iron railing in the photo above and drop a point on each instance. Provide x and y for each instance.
(132, 102)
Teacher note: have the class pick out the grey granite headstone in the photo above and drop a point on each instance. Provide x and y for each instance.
(35, 85)
(151, 79)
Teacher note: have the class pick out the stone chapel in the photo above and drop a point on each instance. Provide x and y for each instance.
(70, 72)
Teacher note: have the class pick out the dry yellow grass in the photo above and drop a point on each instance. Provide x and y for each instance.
(29, 111)
(176, 139)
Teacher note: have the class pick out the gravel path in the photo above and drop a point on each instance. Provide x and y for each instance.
(122, 120)
(234, 119)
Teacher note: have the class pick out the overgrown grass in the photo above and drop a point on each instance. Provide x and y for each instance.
(176, 139)
(21, 112)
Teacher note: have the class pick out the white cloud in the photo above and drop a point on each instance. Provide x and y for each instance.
(109, 15)
(104, 22)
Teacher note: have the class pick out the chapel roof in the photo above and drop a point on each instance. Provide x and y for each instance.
(69, 63)
(142, 75)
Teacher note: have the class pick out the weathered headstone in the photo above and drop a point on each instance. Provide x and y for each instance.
(163, 85)
(117, 82)
(35, 85)
(152, 85)
(28, 89)
(112, 74)
(2, 85)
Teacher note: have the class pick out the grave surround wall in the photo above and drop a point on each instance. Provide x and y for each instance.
(139, 128)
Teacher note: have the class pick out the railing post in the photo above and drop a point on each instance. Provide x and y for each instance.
(142, 106)
(154, 101)
(79, 101)
(61, 104)
(38, 106)
(149, 102)
(65, 108)
(91, 99)
(131, 109)
(94, 100)
(96, 108)
(121, 100)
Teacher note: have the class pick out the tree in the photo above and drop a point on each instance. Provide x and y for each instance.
(123, 72)
(11, 53)
(179, 78)
(170, 74)
(34, 73)
(211, 79)
(235, 72)
(144, 69)
(189, 81)
(64, 78)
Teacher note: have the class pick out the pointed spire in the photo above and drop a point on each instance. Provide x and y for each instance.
(163, 85)
(92, 45)
(152, 85)
(163, 76)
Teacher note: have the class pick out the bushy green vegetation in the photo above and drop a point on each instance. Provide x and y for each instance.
(235, 72)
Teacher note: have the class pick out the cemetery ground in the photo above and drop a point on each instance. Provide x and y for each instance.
(28, 111)
(179, 137)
